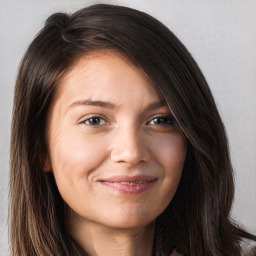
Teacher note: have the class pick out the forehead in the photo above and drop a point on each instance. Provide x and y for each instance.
(99, 73)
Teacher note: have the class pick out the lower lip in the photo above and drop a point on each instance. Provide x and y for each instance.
(129, 189)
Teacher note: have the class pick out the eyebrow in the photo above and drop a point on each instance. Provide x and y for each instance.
(109, 105)
(98, 103)
(154, 105)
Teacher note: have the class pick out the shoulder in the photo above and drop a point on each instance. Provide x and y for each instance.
(248, 247)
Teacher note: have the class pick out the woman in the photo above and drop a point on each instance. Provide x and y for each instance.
(117, 146)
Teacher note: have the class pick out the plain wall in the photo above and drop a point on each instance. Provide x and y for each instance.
(221, 35)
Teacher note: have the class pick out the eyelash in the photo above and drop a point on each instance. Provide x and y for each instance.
(167, 119)
(91, 117)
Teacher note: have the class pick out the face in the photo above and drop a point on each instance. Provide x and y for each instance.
(114, 149)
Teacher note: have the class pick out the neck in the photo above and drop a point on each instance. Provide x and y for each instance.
(98, 240)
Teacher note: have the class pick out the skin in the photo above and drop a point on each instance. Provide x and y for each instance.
(125, 137)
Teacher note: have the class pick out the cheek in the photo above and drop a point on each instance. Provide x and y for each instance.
(171, 155)
(172, 152)
(74, 157)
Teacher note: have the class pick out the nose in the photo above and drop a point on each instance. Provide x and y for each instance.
(130, 146)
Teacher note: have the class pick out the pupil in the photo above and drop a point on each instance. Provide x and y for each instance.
(160, 121)
(94, 121)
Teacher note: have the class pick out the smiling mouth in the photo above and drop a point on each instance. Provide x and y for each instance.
(133, 183)
(129, 185)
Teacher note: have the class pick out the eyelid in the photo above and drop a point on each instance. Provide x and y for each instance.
(86, 117)
(168, 116)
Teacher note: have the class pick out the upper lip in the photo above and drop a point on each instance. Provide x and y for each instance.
(125, 178)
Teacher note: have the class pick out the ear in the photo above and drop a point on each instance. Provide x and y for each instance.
(47, 165)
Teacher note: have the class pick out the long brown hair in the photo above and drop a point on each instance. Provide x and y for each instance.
(197, 220)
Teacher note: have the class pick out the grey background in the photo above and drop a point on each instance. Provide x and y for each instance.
(221, 36)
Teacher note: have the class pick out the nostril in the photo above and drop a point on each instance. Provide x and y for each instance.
(129, 155)
(129, 146)
(125, 155)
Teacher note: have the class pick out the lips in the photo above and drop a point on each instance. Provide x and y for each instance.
(133, 182)
(129, 184)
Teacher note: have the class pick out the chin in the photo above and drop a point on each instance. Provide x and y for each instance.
(130, 221)
(130, 225)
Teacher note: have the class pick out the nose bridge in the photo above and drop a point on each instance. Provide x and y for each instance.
(128, 145)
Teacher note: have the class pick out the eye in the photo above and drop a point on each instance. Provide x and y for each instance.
(94, 121)
(162, 120)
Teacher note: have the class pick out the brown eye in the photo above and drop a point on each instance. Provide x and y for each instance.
(162, 120)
